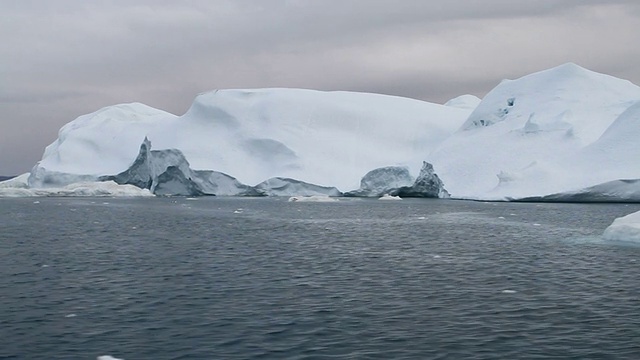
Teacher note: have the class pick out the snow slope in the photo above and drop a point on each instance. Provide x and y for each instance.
(539, 135)
(323, 138)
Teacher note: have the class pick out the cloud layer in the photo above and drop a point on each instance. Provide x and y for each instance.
(66, 58)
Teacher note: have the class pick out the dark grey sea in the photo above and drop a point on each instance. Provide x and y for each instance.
(241, 278)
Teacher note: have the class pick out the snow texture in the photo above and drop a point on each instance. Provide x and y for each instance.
(18, 182)
(612, 191)
(167, 172)
(100, 189)
(626, 228)
(290, 187)
(468, 102)
(563, 134)
(323, 138)
(381, 181)
(558, 130)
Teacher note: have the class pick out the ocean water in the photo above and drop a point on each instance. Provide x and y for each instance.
(234, 278)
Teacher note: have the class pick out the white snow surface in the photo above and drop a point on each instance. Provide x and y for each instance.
(18, 182)
(557, 130)
(626, 228)
(389, 197)
(468, 102)
(323, 138)
(100, 189)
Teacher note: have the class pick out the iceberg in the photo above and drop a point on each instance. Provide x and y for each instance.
(389, 197)
(545, 133)
(562, 134)
(167, 172)
(93, 188)
(18, 182)
(396, 181)
(383, 180)
(427, 185)
(626, 228)
(323, 138)
(612, 191)
(290, 187)
(313, 198)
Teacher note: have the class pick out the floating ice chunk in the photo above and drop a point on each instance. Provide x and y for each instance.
(107, 357)
(626, 228)
(70, 315)
(389, 197)
(96, 188)
(509, 291)
(315, 198)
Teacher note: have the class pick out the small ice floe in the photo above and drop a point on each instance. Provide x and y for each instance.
(36, 202)
(70, 315)
(390, 197)
(314, 198)
(107, 357)
(422, 217)
(437, 256)
(238, 211)
(134, 227)
(512, 215)
(536, 224)
(44, 265)
(509, 291)
(626, 229)
(500, 217)
(105, 203)
(191, 198)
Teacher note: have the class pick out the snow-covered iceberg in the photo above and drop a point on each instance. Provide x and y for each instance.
(563, 134)
(323, 138)
(167, 172)
(396, 181)
(291, 187)
(381, 181)
(550, 132)
(93, 188)
(626, 228)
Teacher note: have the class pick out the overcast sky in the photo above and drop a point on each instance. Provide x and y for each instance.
(61, 59)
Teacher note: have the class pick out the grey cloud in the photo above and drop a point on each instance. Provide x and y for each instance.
(65, 58)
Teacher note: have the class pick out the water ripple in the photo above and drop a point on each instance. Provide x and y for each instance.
(153, 278)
